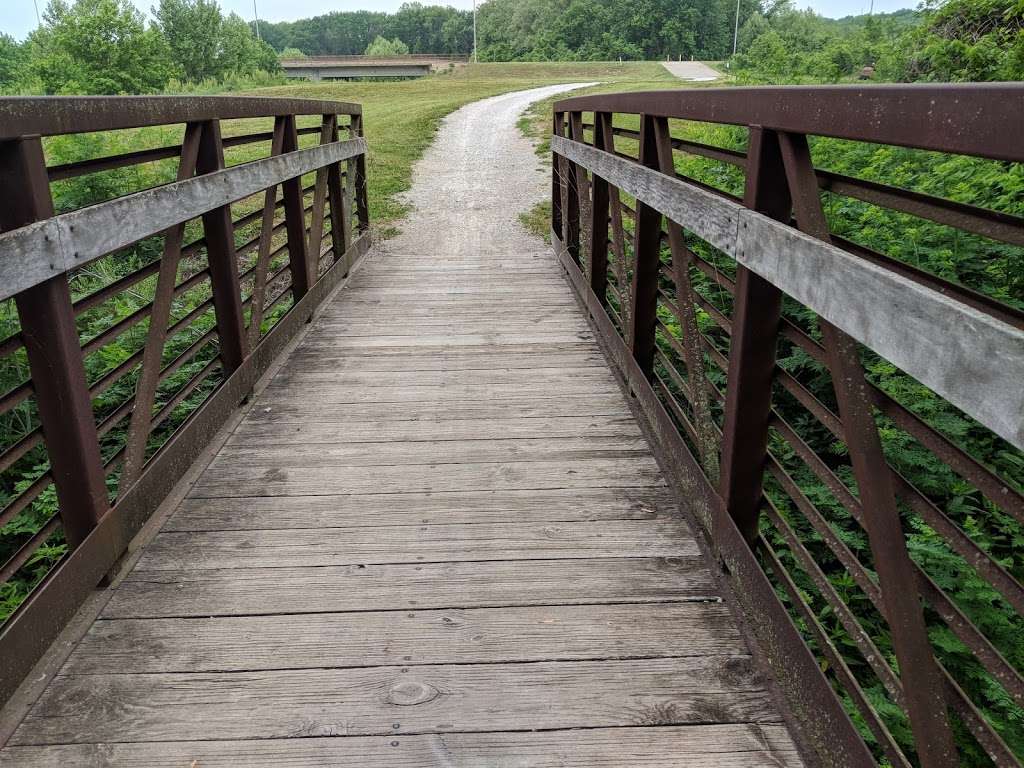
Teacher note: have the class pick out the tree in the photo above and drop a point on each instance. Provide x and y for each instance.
(98, 46)
(241, 52)
(193, 32)
(292, 53)
(381, 46)
(12, 60)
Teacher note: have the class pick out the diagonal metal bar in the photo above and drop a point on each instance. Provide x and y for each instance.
(682, 258)
(920, 675)
(259, 283)
(159, 315)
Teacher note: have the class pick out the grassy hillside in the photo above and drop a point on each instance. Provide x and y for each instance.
(401, 117)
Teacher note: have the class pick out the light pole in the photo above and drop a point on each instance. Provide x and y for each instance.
(256, 16)
(736, 29)
(39, 22)
(476, 57)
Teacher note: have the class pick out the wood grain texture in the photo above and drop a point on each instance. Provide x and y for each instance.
(398, 637)
(437, 538)
(300, 432)
(697, 746)
(31, 254)
(397, 700)
(410, 544)
(618, 472)
(269, 591)
(384, 509)
(522, 407)
(943, 343)
(565, 450)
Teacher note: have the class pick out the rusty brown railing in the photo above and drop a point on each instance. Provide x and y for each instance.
(698, 291)
(137, 324)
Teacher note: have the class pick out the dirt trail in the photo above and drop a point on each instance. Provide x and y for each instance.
(474, 180)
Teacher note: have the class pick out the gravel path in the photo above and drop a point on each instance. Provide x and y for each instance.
(692, 70)
(475, 179)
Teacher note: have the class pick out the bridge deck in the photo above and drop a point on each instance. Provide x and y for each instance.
(452, 548)
(438, 533)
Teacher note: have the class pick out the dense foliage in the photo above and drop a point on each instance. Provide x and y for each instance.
(381, 46)
(956, 40)
(422, 28)
(989, 267)
(107, 47)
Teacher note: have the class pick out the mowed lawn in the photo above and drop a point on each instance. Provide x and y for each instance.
(400, 118)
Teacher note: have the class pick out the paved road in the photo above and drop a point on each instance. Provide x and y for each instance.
(696, 71)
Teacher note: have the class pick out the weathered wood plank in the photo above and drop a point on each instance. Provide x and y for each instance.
(468, 358)
(695, 746)
(451, 410)
(563, 450)
(554, 377)
(945, 344)
(308, 432)
(625, 472)
(461, 340)
(486, 635)
(180, 551)
(325, 393)
(257, 591)
(34, 253)
(382, 509)
(397, 700)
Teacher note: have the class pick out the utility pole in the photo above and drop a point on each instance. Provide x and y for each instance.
(256, 15)
(476, 57)
(39, 22)
(736, 29)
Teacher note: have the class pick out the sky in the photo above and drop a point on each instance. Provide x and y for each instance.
(18, 17)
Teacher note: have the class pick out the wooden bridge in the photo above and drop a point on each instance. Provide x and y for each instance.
(464, 507)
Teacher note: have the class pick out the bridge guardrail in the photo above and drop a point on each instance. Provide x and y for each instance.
(691, 285)
(142, 321)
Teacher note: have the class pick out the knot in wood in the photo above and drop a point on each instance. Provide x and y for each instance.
(409, 693)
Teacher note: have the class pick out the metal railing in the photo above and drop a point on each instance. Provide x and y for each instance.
(137, 324)
(699, 292)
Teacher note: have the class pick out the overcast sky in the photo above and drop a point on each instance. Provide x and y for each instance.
(18, 17)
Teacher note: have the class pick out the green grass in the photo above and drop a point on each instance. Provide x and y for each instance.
(400, 118)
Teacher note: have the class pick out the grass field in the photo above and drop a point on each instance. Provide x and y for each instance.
(400, 118)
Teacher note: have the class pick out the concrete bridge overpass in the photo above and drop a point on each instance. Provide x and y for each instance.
(318, 68)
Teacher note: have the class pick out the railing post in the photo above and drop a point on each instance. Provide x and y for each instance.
(647, 249)
(557, 121)
(570, 204)
(295, 219)
(597, 253)
(219, 233)
(54, 353)
(341, 226)
(755, 323)
(585, 224)
(923, 686)
(362, 200)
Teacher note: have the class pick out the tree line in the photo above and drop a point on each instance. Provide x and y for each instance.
(943, 41)
(108, 46)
